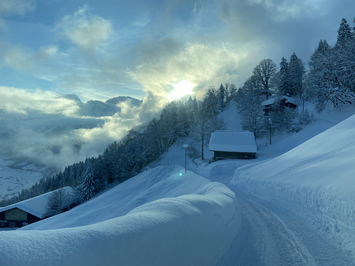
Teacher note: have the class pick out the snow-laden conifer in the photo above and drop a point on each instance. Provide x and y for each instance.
(87, 189)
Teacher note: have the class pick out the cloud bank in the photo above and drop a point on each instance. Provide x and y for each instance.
(45, 128)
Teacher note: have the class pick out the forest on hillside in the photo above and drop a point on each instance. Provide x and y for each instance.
(329, 80)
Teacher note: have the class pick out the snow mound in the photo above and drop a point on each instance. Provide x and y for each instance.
(156, 218)
(318, 174)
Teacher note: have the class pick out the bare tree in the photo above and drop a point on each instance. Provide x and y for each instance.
(263, 73)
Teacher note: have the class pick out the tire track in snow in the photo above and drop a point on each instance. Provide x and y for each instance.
(265, 240)
(271, 234)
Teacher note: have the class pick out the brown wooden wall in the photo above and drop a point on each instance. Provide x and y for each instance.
(12, 223)
(218, 155)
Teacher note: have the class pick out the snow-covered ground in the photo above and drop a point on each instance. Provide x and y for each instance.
(293, 205)
(161, 217)
(15, 177)
(317, 175)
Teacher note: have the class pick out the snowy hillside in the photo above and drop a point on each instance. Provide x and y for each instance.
(317, 176)
(16, 176)
(160, 217)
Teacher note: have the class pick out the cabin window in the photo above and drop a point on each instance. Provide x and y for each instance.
(16, 215)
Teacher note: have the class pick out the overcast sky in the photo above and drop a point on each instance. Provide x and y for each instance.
(102, 49)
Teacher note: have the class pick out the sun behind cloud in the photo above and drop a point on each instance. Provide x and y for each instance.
(181, 89)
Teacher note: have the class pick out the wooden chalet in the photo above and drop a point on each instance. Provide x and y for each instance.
(16, 217)
(233, 145)
(276, 102)
(26, 212)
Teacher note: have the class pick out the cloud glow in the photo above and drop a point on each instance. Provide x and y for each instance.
(197, 64)
(181, 89)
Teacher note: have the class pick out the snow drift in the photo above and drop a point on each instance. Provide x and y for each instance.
(156, 218)
(318, 174)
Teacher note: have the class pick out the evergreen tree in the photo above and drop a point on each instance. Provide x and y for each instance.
(87, 189)
(221, 95)
(295, 73)
(344, 34)
(284, 85)
(232, 91)
(210, 103)
(331, 77)
(100, 174)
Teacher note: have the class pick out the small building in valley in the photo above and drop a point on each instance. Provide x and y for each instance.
(233, 145)
(26, 212)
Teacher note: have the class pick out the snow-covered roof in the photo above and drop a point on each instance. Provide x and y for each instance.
(233, 141)
(275, 99)
(35, 206)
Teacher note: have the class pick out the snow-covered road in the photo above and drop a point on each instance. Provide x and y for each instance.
(276, 230)
(273, 234)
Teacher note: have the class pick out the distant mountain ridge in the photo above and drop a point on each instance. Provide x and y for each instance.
(96, 108)
(120, 99)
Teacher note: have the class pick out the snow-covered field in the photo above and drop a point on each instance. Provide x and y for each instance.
(293, 205)
(15, 177)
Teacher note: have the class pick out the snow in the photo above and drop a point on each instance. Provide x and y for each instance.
(231, 141)
(318, 174)
(231, 117)
(293, 205)
(14, 178)
(156, 218)
(35, 206)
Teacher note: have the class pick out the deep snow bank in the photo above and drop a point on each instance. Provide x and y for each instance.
(188, 220)
(318, 174)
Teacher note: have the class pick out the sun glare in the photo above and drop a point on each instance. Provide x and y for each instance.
(181, 89)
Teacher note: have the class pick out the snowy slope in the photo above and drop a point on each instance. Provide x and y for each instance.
(15, 177)
(317, 175)
(156, 218)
